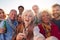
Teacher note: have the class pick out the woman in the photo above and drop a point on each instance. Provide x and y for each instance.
(47, 28)
(25, 30)
(2, 24)
(20, 26)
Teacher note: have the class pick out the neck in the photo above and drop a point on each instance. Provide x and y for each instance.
(20, 13)
(47, 23)
(26, 25)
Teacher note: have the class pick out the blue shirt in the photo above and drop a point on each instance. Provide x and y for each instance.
(10, 31)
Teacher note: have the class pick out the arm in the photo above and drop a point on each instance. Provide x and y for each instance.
(37, 34)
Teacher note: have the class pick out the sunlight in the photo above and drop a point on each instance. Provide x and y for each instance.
(7, 5)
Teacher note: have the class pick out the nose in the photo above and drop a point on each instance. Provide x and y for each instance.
(27, 18)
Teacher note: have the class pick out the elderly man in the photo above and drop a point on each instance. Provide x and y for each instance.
(11, 24)
(35, 9)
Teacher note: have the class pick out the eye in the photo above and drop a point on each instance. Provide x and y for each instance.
(0, 13)
(30, 16)
(3, 12)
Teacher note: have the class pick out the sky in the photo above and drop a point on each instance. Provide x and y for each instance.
(7, 5)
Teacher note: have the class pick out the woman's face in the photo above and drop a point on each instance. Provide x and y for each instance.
(1, 14)
(19, 18)
(28, 18)
(45, 17)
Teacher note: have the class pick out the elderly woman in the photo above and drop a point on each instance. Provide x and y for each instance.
(2, 24)
(26, 31)
(47, 28)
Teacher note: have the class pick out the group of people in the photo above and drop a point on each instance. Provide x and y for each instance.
(30, 25)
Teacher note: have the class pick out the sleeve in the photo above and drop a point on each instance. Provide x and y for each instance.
(36, 32)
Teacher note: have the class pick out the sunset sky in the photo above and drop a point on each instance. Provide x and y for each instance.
(7, 5)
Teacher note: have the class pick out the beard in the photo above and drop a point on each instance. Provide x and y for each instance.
(56, 15)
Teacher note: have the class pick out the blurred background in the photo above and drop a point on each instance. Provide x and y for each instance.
(7, 5)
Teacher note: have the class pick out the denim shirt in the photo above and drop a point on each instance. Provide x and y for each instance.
(10, 31)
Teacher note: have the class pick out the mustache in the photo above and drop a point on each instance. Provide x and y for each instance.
(56, 13)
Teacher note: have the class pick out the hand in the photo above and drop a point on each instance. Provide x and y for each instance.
(2, 30)
(20, 36)
(52, 38)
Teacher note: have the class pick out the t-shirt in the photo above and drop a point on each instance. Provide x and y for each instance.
(57, 22)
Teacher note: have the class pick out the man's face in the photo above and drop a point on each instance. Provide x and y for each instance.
(21, 10)
(13, 15)
(56, 11)
(35, 9)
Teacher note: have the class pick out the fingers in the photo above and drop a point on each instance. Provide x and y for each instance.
(2, 30)
(20, 36)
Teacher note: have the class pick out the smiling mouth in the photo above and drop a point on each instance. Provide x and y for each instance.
(27, 20)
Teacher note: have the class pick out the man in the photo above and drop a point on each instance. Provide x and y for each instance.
(21, 9)
(56, 14)
(11, 24)
(35, 9)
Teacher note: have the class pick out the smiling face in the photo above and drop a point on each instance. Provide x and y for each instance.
(2, 14)
(56, 11)
(28, 17)
(13, 14)
(19, 18)
(35, 8)
(45, 17)
(21, 9)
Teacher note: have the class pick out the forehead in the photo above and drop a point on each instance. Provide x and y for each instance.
(44, 13)
(57, 7)
(34, 7)
(28, 13)
(1, 10)
(20, 8)
(13, 12)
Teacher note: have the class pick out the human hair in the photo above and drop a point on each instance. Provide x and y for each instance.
(13, 10)
(35, 6)
(45, 12)
(27, 12)
(55, 5)
(21, 7)
(3, 13)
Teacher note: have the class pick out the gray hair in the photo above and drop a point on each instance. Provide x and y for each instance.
(45, 12)
(27, 12)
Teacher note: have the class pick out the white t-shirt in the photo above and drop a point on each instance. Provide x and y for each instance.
(37, 34)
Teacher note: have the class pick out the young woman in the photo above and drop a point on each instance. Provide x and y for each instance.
(2, 24)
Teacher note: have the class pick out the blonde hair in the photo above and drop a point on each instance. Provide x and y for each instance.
(27, 12)
(45, 12)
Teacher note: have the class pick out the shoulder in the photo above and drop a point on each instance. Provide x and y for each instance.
(53, 24)
(40, 25)
(15, 22)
